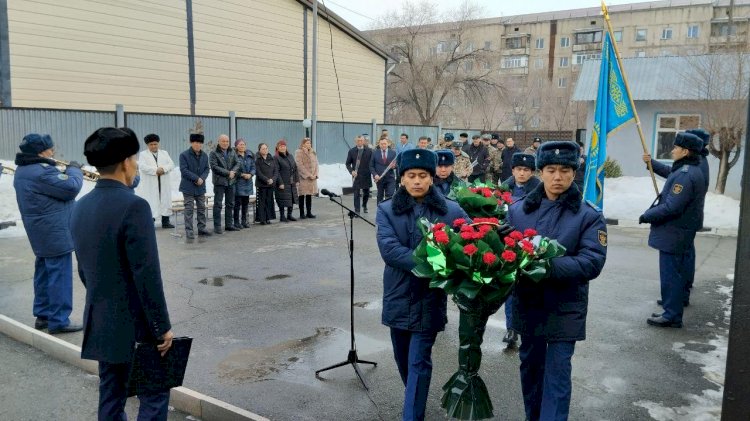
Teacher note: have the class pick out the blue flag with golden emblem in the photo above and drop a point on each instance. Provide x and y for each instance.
(613, 109)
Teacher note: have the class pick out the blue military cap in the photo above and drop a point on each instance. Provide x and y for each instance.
(448, 137)
(705, 137)
(445, 157)
(36, 143)
(689, 141)
(559, 152)
(416, 158)
(521, 159)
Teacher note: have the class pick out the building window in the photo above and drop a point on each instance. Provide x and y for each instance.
(486, 65)
(578, 59)
(693, 31)
(515, 42)
(666, 130)
(536, 102)
(539, 43)
(514, 62)
(562, 82)
(666, 33)
(640, 54)
(722, 29)
(470, 47)
(588, 37)
(488, 45)
(539, 63)
(468, 65)
(539, 82)
(564, 61)
(640, 34)
(536, 121)
(618, 36)
(564, 42)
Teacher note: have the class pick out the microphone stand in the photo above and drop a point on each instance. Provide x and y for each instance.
(352, 357)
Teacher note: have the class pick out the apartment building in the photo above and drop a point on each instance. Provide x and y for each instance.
(537, 57)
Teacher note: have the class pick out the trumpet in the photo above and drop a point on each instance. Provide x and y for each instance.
(87, 175)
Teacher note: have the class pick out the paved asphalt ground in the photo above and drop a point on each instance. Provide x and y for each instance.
(269, 305)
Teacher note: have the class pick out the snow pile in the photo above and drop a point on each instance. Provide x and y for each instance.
(334, 177)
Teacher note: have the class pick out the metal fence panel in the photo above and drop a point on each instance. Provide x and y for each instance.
(256, 131)
(69, 129)
(174, 130)
(335, 140)
(414, 132)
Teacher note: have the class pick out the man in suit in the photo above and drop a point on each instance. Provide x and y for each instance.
(383, 158)
(118, 263)
(357, 161)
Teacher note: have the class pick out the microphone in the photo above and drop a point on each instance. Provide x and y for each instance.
(328, 193)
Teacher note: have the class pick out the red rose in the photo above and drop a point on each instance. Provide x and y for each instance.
(467, 235)
(529, 232)
(479, 220)
(478, 235)
(441, 237)
(489, 258)
(507, 197)
(438, 226)
(485, 228)
(470, 249)
(516, 235)
(493, 220)
(458, 222)
(508, 256)
(527, 247)
(486, 193)
(509, 242)
(500, 202)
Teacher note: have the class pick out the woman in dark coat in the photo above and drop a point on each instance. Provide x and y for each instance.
(286, 185)
(244, 186)
(266, 175)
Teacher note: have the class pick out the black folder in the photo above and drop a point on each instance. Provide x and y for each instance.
(151, 373)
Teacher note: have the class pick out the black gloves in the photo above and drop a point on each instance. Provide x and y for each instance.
(505, 229)
(75, 164)
(642, 220)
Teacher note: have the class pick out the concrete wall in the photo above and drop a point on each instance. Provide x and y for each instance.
(625, 145)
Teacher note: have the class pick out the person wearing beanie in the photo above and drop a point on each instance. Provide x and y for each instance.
(445, 179)
(550, 315)
(46, 197)
(663, 170)
(523, 181)
(675, 218)
(154, 166)
(224, 168)
(357, 163)
(382, 167)
(286, 187)
(243, 188)
(118, 262)
(413, 311)
(194, 168)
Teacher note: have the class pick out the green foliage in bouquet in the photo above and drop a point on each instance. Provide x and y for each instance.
(482, 200)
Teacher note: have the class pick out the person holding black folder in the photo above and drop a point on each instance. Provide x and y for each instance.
(118, 263)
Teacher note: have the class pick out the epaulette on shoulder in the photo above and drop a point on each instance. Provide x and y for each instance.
(685, 168)
(44, 164)
(596, 208)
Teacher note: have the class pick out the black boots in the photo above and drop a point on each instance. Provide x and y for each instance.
(237, 223)
(165, 222)
(308, 205)
(289, 215)
(301, 201)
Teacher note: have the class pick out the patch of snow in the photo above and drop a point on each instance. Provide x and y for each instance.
(333, 177)
(730, 276)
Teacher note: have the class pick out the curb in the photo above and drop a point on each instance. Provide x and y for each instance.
(181, 398)
(626, 223)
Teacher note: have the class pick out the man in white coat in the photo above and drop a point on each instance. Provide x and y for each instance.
(154, 166)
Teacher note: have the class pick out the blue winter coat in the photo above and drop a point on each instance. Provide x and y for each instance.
(518, 193)
(663, 170)
(192, 167)
(247, 166)
(556, 307)
(45, 197)
(118, 263)
(678, 215)
(408, 302)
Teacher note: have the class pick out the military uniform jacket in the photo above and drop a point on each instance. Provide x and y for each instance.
(462, 166)
(518, 193)
(45, 197)
(408, 302)
(118, 263)
(555, 308)
(678, 213)
(663, 170)
(363, 180)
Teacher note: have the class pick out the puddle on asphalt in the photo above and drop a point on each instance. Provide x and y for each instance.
(279, 276)
(199, 268)
(361, 304)
(218, 281)
(294, 360)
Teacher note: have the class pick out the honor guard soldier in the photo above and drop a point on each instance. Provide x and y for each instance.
(675, 218)
(550, 315)
(413, 311)
(523, 181)
(445, 178)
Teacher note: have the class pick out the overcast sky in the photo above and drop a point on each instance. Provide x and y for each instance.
(361, 13)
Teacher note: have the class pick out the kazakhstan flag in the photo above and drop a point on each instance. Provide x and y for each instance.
(613, 109)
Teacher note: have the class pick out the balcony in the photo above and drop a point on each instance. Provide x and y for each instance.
(592, 46)
(733, 39)
(516, 52)
(514, 71)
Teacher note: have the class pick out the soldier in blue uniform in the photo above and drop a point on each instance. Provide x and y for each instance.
(551, 315)
(45, 198)
(445, 178)
(118, 262)
(413, 311)
(675, 218)
(523, 181)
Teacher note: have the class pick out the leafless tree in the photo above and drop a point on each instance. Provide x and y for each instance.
(557, 107)
(436, 59)
(719, 83)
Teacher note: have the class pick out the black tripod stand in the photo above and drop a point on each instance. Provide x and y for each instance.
(352, 357)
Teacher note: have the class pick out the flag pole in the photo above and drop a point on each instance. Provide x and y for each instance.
(630, 96)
